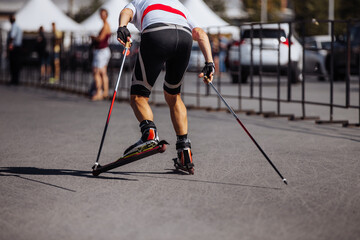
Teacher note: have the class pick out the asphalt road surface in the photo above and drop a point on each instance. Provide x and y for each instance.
(49, 141)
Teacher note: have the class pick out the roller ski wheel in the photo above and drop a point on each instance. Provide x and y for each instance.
(184, 161)
(96, 166)
(179, 167)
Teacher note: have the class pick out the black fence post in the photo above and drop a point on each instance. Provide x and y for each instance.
(348, 63)
(261, 70)
(219, 70)
(278, 72)
(332, 73)
(252, 62)
(331, 105)
(303, 70)
(239, 73)
(289, 64)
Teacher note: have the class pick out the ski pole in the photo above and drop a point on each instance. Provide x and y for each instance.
(248, 133)
(127, 46)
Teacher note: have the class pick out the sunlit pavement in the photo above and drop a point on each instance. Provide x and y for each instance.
(49, 141)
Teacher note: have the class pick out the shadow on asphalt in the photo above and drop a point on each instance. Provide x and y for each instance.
(175, 172)
(20, 171)
(49, 172)
(336, 133)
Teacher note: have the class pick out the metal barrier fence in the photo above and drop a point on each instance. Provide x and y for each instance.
(270, 71)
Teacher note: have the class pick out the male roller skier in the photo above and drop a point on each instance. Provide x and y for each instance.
(167, 32)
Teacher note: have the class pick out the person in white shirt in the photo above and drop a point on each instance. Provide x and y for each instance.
(167, 32)
(14, 43)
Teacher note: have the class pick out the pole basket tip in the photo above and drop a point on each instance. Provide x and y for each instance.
(96, 165)
(284, 180)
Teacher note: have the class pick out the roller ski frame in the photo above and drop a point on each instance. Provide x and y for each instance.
(132, 157)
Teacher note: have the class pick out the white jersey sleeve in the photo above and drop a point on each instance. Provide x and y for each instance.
(131, 6)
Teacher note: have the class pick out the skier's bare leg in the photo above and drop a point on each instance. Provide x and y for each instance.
(149, 136)
(141, 108)
(178, 113)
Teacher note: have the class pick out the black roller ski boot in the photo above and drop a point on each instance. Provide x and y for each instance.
(148, 140)
(184, 160)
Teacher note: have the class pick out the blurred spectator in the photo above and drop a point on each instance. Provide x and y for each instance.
(101, 57)
(14, 42)
(56, 43)
(215, 49)
(43, 55)
(223, 51)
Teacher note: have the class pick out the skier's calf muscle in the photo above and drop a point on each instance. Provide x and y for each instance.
(141, 108)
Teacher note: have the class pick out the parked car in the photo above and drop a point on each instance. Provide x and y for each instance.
(341, 55)
(272, 38)
(196, 60)
(317, 49)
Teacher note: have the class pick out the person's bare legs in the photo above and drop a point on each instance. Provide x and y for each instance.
(97, 79)
(141, 108)
(57, 69)
(42, 71)
(104, 81)
(178, 113)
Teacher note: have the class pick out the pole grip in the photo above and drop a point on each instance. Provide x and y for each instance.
(128, 44)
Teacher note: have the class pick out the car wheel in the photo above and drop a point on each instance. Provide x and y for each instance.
(321, 78)
(235, 77)
(318, 71)
(339, 76)
(244, 76)
(295, 75)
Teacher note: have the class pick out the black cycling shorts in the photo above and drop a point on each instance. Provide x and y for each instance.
(161, 44)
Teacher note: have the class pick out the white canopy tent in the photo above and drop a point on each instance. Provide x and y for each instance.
(94, 23)
(234, 9)
(202, 14)
(207, 19)
(36, 13)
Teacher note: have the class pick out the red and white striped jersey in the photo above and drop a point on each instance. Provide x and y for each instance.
(147, 12)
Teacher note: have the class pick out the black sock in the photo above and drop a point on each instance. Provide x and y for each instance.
(146, 124)
(182, 138)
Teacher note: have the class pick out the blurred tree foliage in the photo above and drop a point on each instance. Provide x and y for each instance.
(308, 10)
(344, 10)
(217, 6)
(254, 10)
(86, 11)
